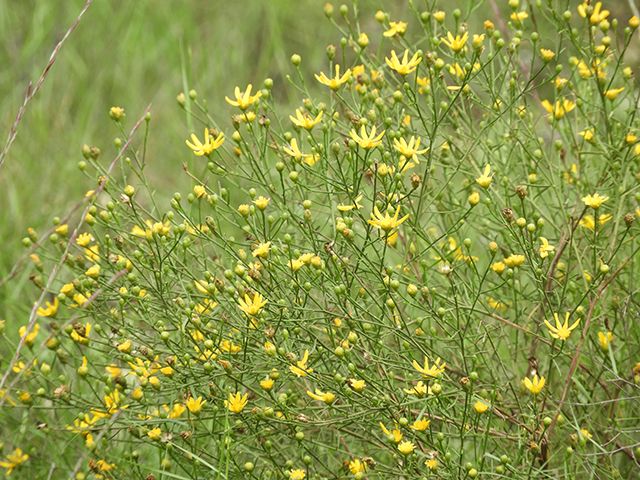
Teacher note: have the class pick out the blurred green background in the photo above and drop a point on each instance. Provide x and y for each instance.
(132, 53)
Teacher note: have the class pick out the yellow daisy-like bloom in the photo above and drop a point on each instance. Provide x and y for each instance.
(535, 386)
(396, 28)
(498, 267)
(356, 466)
(243, 100)
(409, 150)
(195, 405)
(93, 272)
(365, 140)
(588, 135)
(356, 205)
(337, 81)
(439, 16)
(327, 398)
(613, 93)
(594, 201)
(14, 460)
(176, 411)
(605, 339)
(519, 17)
(386, 223)
(236, 403)
(267, 384)
(597, 16)
(305, 121)
(124, 347)
(84, 239)
(300, 369)
(405, 66)
(477, 41)
(545, 248)
(154, 434)
(206, 147)
(420, 425)
(295, 152)
(252, 306)
(432, 464)
(50, 311)
(296, 474)
(485, 179)
(419, 390)
(429, 371)
(262, 250)
(357, 385)
(456, 44)
(261, 202)
(547, 55)
(560, 83)
(397, 434)
(199, 191)
(480, 407)
(589, 222)
(406, 448)
(585, 433)
(559, 109)
(561, 331)
(514, 260)
(80, 334)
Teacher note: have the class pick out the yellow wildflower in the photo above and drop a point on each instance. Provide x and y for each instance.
(429, 372)
(456, 44)
(243, 100)
(547, 55)
(334, 83)
(405, 66)
(301, 369)
(613, 93)
(406, 448)
(356, 205)
(356, 466)
(209, 145)
(261, 202)
(420, 425)
(367, 141)
(262, 250)
(409, 150)
(252, 307)
(519, 17)
(535, 386)
(545, 248)
(561, 331)
(597, 16)
(327, 397)
(84, 239)
(396, 28)
(513, 260)
(480, 407)
(14, 460)
(498, 267)
(296, 474)
(31, 337)
(594, 201)
(605, 339)
(305, 121)
(559, 109)
(485, 179)
(397, 435)
(237, 403)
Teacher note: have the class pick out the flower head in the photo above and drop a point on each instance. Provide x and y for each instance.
(243, 100)
(195, 405)
(327, 398)
(547, 55)
(334, 83)
(559, 109)
(262, 250)
(519, 17)
(356, 205)
(420, 425)
(357, 385)
(300, 369)
(252, 306)
(296, 474)
(367, 141)
(236, 403)
(50, 311)
(31, 336)
(405, 66)
(561, 331)
(429, 371)
(409, 150)
(514, 260)
(386, 222)
(396, 28)
(480, 407)
(597, 16)
(420, 389)
(485, 179)
(356, 466)
(295, 152)
(206, 147)
(14, 460)
(594, 201)
(456, 44)
(305, 121)
(613, 93)
(261, 202)
(406, 448)
(605, 339)
(397, 435)
(535, 386)
(545, 248)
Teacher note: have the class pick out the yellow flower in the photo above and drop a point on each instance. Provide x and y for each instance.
(252, 307)
(363, 41)
(334, 83)
(123, 347)
(485, 179)
(243, 100)
(176, 411)
(206, 147)
(409, 150)
(561, 331)
(488, 25)
(14, 460)
(295, 152)
(585, 433)
(423, 82)
(237, 403)
(356, 205)
(547, 55)
(429, 372)
(50, 311)
(613, 93)
(535, 386)
(560, 83)
(295, 265)
(261, 202)
(481, 407)
(386, 222)
(477, 41)
(200, 191)
(498, 267)
(559, 109)
(154, 434)
(605, 340)
(356, 466)
(305, 121)
(93, 272)
(513, 260)
(396, 27)
(587, 135)
(367, 141)
(594, 201)
(327, 398)
(519, 17)
(397, 435)
(419, 390)
(597, 16)
(301, 369)
(262, 250)
(357, 385)
(31, 337)
(545, 248)
(439, 16)
(456, 44)
(84, 239)
(405, 66)
(420, 425)
(267, 384)
(432, 464)
(406, 448)
(296, 474)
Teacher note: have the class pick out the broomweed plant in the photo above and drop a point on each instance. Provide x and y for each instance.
(426, 269)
